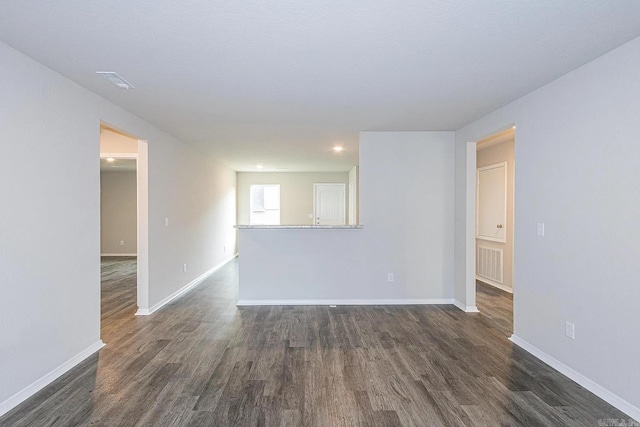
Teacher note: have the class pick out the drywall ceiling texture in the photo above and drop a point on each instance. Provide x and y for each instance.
(50, 255)
(577, 158)
(279, 83)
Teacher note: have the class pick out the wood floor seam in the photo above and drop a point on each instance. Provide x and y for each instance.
(202, 361)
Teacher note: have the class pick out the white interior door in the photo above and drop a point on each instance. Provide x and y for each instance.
(329, 204)
(491, 219)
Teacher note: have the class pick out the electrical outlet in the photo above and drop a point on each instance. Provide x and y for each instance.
(121, 242)
(184, 267)
(570, 330)
(390, 277)
(166, 222)
(540, 229)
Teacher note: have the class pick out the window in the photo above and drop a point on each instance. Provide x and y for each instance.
(264, 205)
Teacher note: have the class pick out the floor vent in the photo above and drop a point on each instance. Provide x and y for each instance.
(490, 263)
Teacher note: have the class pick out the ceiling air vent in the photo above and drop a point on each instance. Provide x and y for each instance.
(115, 79)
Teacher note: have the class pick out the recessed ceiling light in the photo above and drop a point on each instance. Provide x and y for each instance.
(115, 79)
(110, 159)
(338, 148)
(259, 166)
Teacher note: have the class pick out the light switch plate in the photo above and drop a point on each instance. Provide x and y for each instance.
(570, 330)
(540, 229)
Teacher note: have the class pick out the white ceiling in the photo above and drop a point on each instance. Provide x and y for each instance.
(281, 82)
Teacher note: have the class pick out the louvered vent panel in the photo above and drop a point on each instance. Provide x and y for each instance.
(490, 263)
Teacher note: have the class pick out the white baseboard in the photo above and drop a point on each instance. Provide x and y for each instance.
(494, 284)
(184, 289)
(41, 383)
(585, 382)
(466, 308)
(247, 302)
(133, 254)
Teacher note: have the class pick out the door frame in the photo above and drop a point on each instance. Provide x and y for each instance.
(142, 173)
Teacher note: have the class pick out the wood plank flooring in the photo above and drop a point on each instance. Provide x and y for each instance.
(201, 361)
(118, 291)
(497, 305)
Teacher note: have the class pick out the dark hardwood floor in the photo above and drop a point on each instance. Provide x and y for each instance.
(118, 291)
(497, 305)
(202, 361)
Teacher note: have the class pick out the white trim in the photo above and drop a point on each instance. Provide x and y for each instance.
(47, 379)
(184, 289)
(245, 302)
(593, 387)
(134, 254)
(491, 239)
(494, 284)
(470, 224)
(466, 308)
(142, 218)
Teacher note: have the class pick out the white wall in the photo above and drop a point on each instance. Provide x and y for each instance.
(296, 193)
(50, 251)
(198, 196)
(118, 213)
(465, 225)
(577, 160)
(407, 205)
(353, 196)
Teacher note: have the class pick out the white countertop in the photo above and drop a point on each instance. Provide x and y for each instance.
(310, 227)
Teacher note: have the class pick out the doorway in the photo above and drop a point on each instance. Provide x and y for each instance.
(329, 204)
(123, 227)
(494, 228)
